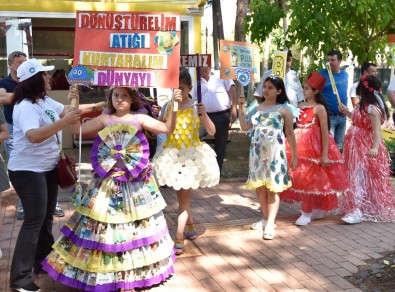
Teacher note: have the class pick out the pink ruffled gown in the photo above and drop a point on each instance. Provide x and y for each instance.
(369, 176)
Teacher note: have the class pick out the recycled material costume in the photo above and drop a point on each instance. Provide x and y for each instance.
(183, 161)
(313, 185)
(369, 176)
(117, 237)
(267, 158)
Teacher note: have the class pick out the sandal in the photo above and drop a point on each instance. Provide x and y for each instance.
(191, 233)
(269, 232)
(179, 246)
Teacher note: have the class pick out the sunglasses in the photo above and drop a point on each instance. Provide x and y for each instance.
(14, 55)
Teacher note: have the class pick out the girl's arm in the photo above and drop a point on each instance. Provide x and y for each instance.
(3, 132)
(205, 120)
(243, 125)
(344, 110)
(321, 114)
(90, 127)
(375, 118)
(156, 126)
(289, 132)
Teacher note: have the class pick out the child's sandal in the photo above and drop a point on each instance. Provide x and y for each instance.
(179, 246)
(191, 233)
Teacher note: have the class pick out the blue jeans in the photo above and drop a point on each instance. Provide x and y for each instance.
(338, 129)
(38, 192)
(8, 143)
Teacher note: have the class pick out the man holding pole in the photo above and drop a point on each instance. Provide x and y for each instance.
(335, 91)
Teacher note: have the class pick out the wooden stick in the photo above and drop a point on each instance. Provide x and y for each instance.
(334, 88)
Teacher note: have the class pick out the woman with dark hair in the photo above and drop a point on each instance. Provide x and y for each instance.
(38, 119)
(367, 158)
(268, 166)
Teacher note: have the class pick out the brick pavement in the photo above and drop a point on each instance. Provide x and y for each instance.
(228, 256)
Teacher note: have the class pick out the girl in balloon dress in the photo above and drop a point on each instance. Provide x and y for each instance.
(367, 158)
(184, 162)
(117, 238)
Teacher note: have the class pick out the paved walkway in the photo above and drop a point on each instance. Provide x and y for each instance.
(228, 256)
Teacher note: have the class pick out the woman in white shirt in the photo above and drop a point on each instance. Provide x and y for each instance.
(37, 120)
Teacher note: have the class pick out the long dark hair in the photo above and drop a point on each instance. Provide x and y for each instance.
(31, 89)
(135, 106)
(319, 98)
(279, 84)
(366, 89)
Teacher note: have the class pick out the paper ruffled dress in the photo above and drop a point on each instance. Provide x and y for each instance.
(314, 186)
(183, 161)
(267, 156)
(369, 176)
(117, 238)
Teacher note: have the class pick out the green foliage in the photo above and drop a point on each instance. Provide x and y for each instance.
(264, 19)
(358, 26)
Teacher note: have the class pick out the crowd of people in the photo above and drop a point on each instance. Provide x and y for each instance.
(117, 239)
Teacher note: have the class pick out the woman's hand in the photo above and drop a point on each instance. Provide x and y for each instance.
(72, 116)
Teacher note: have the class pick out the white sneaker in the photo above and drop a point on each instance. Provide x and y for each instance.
(304, 219)
(353, 217)
(260, 225)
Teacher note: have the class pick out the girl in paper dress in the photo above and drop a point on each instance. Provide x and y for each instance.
(367, 158)
(268, 167)
(117, 238)
(320, 175)
(184, 162)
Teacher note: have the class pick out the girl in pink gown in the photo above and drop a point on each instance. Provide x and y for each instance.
(320, 176)
(367, 159)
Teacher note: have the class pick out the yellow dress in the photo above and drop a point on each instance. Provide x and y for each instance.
(183, 161)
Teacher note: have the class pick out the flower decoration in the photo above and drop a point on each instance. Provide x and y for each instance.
(121, 143)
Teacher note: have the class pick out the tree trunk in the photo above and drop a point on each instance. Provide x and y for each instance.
(241, 13)
(218, 30)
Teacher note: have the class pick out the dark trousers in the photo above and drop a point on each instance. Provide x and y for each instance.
(38, 193)
(221, 122)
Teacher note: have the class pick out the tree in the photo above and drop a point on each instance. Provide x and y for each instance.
(218, 30)
(241, 13)
(358, 26)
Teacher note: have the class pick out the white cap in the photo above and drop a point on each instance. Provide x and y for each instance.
(30, 68)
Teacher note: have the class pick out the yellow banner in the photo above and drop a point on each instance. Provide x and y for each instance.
(279, 63)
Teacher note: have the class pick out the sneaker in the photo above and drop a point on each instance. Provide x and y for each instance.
(304, 219)
(353, 217)
(58, 211)
(20, 213)
(260, 225)
(32, 287)
(269, 232)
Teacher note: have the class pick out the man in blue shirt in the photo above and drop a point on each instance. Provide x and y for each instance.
(336, 118)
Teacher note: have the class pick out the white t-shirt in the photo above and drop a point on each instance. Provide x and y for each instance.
(391, 86)
(37, 157)
(353, 90)
(292, 84)
(215, 94)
